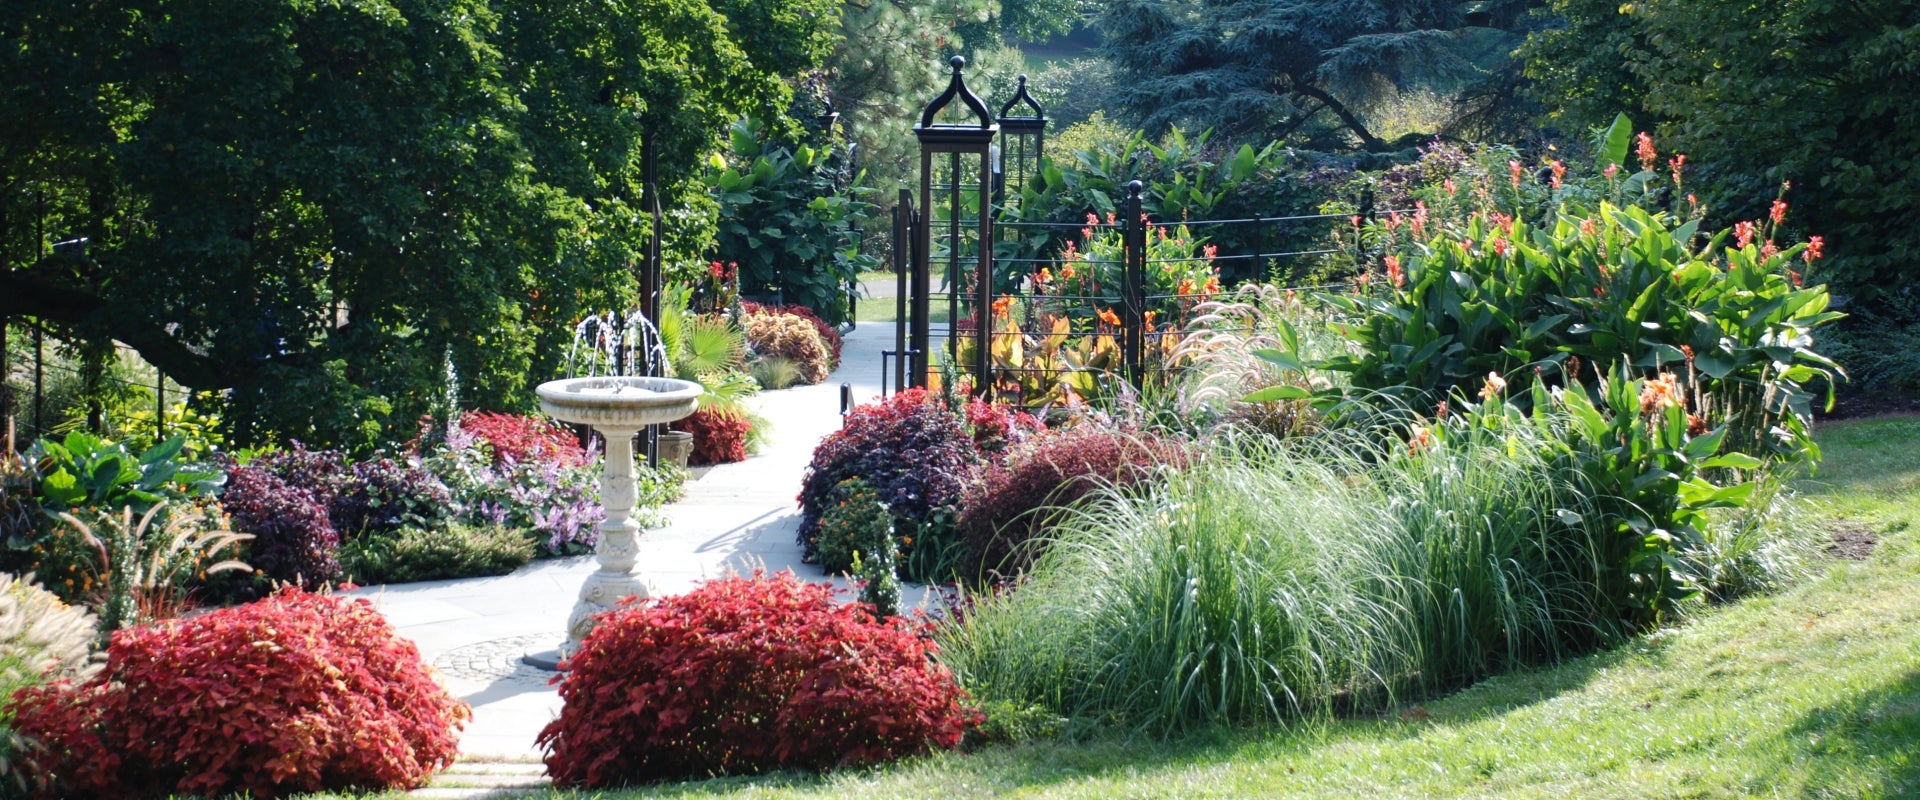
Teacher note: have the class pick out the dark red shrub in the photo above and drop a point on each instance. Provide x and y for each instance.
(523, 438)
(293, 541)
(828, 334)
(1004, 511)
(908, 447)
(745, 675)
(294, 693)
(323, 472)
(998, 426)
(717, 438)
(385, 496)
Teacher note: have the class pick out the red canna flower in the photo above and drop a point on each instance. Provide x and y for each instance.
(1743, 234)
(1646, 152)
(1779, 212)
(1559, 173)
(1814, 245)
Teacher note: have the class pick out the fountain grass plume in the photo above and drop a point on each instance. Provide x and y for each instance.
(1280, 581)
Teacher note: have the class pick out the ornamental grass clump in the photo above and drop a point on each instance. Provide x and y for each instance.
(744, 675)
(41, 639)
(295, 693)
(1345, 572)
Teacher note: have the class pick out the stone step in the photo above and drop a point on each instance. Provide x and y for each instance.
(487, 779)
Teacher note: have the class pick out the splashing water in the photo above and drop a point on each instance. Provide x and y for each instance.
(615, 344)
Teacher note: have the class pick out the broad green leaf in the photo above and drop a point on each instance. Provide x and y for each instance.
(1615, 141)
(1732, 461)
(1274, 393)
(1280, 358)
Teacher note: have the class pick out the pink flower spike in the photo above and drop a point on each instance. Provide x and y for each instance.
(1814, 246)
(1779, 212)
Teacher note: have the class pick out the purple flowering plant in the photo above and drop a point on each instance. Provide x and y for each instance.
(556, 503)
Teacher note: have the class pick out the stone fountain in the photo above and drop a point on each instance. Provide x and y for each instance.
(618, 407)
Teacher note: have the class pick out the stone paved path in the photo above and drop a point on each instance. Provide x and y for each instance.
(735, 518)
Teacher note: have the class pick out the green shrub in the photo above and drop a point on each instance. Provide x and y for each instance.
(458, 550)
(1584, 293)
(854, 522)
(786, 223)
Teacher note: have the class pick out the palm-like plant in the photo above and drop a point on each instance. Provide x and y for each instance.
(708, 350)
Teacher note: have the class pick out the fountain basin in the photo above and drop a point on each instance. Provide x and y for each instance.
(625, 402)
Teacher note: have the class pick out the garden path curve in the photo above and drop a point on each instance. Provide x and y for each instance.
(735, 518)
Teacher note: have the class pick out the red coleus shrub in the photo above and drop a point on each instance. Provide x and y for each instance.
(295, 693)
(745, 675)
(1008, 509)
(523, 438)
(717, 438)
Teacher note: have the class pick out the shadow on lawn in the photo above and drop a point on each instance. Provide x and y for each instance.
(1003, 768)
(1866, 745)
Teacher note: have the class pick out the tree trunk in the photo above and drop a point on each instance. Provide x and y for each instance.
(1371, 142)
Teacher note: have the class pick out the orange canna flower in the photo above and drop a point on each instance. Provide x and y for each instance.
(1107, 316)
(1779, 212)
(1493, 386)
(1002, 306)
(1814, 245)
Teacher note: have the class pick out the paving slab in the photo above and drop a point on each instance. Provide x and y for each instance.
(735, 518)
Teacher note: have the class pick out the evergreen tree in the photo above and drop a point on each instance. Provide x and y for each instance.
(1271, 69)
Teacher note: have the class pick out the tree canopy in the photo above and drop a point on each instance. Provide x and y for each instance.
(1269, 69)
(310, 205)
(1819, 94)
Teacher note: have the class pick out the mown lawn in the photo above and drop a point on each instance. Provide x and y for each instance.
(1813, 692)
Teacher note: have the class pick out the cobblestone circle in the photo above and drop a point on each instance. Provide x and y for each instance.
(498, 660)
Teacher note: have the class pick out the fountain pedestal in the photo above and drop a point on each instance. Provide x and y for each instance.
(618, 408)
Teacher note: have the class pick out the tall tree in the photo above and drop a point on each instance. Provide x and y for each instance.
(1254, 69)
(1761, 93)
(309, 205)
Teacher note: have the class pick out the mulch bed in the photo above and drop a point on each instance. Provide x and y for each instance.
(1855, 405)
(1851, 542)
